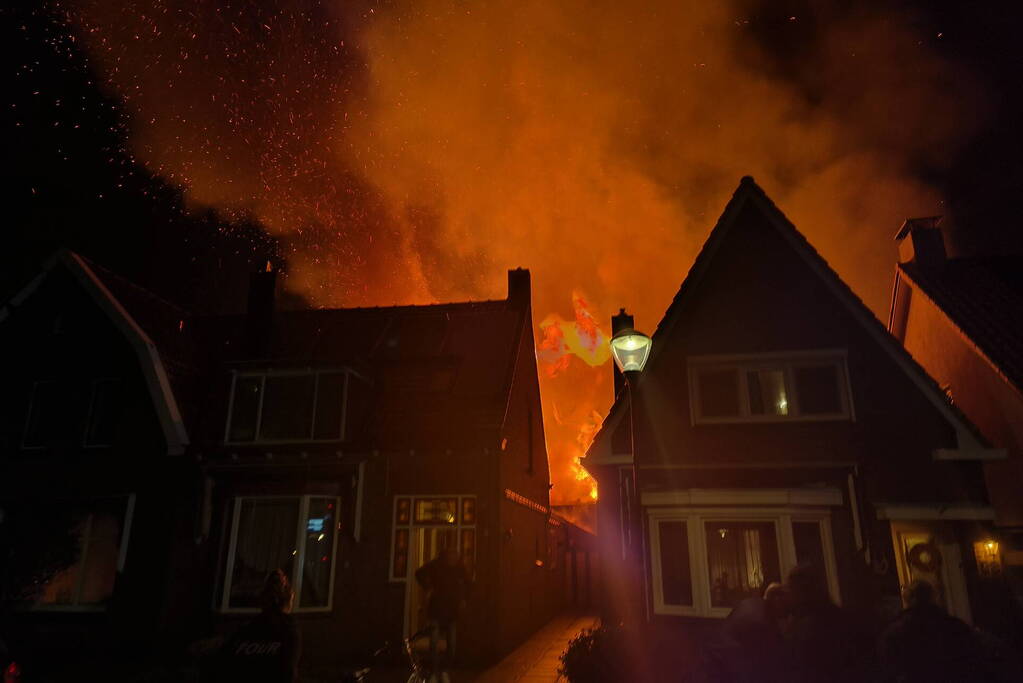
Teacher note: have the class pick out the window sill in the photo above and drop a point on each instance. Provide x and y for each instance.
(282, 442)
(771, 419)
(252, 611)
(63, 609)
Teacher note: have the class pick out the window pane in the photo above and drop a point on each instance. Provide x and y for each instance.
(287, 407)
(809, 549)
(468, 511)
(73, 552)
(60, 579)
(469, 550)
(402, 511)
(719, 393)
(245, 408)
(321, 525)
(818, 390)
(400, 568)
(99, 570)
(436, 510)
(676, 576)
(329, 404)
(742, 558)
(767, 392)
(103, 412)
(44, 412)
(265, 542)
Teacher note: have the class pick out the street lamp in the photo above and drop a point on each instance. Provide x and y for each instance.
(630, 349)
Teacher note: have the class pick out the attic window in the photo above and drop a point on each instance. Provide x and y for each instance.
(45, 410)
(770, 387)
(287, 406)
(104, 411)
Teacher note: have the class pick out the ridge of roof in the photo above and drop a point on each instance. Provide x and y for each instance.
(459, 306)
(108, 276)
(748, 190)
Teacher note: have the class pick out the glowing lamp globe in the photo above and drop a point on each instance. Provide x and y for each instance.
(630, 349)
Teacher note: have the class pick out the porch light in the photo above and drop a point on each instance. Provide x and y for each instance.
(630, 349)
(989, 559)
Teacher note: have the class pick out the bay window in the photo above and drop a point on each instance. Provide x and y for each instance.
(288, 406)
(769, 387)
(704, 562)
(297, 534)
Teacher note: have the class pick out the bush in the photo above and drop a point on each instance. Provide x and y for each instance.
(596, 655)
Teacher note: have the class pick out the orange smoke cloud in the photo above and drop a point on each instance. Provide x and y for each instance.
(411, 152)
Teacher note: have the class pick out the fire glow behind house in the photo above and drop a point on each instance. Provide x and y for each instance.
(411, 152)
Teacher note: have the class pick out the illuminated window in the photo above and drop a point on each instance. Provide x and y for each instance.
(742, 558)
(988, 556)
(704, 564)
(770, 387)
(69, 555)
(288, 406)
(424, 524)
(766, 389)
(436, 510)
(297, 534)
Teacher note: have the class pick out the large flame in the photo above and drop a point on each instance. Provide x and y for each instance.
(582, 337)
(412, 151)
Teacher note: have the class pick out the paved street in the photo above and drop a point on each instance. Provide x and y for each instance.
(536, 660)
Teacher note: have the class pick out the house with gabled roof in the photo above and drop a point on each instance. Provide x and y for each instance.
(961, 318)
(778, 423)
(174, 460)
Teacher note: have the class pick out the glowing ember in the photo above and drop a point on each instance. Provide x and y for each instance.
(412, 151)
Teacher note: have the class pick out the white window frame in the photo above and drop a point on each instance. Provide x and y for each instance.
(412, 524)
(298, 561)
(787, 362)
(92, 405)
(122, 555)
(306, 372)
(699, 568)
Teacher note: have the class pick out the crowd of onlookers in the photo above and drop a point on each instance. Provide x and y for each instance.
(796, 634)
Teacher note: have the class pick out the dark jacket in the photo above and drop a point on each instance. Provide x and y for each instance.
(926, 644)
(827, 645)
(758, 649)
(448, 586)
(266, 650)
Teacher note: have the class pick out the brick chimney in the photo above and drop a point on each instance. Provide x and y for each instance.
(519, 292)
(259, 312)
(921, 242)
(622, 321)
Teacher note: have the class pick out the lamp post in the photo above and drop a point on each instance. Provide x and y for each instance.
(631, 349)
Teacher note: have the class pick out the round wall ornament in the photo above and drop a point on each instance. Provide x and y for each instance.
(924, 557)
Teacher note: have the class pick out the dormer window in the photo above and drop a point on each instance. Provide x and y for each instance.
(44, 411)
(287, 406)
(770, 387)
(104, 411)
